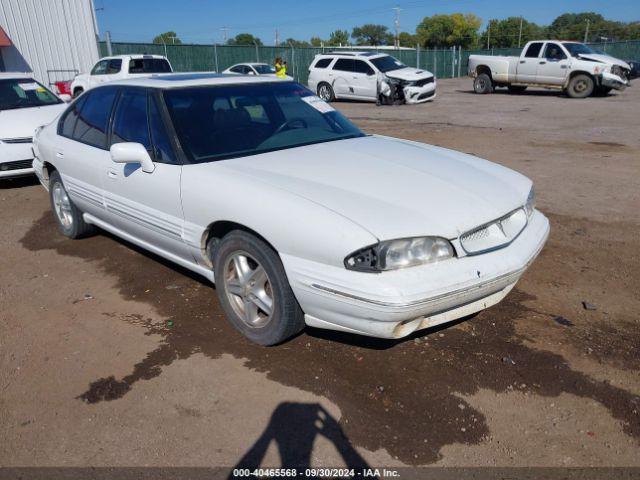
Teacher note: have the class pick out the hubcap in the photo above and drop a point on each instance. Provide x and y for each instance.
(324, 93)
(62, 205)
(581, 86)
(480, 85)
(248, 289)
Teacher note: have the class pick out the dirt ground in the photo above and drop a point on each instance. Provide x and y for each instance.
(110, 356)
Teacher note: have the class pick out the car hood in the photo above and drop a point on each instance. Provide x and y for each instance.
(605, 59)
(409, 74)
(22, 122)
(393, 188)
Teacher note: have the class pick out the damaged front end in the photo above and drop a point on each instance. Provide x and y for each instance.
(395, 91)
(617, 78)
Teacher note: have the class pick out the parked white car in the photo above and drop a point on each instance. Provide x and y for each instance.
(251, 69)
(572, 67)
(295, 214)
(363, 75)
(25, 105)
(119, 67)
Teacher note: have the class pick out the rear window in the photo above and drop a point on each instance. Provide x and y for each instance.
(149, 65)
(534, 50)
(323, 63)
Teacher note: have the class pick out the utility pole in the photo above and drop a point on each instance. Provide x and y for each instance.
(396, 23)
(277, 38)
(586, 32)
(488, 34)
(520, 34)
(225, 31)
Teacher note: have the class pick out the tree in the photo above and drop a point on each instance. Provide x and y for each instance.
(167, 37)
(505, 33)
(315, 41)
(244, 39)
(407, 39)
(338, 38)
(296, 43)
(448, 30)
(370, 34)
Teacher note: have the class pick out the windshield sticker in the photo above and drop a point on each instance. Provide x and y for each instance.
(318, 104)
(29, 86)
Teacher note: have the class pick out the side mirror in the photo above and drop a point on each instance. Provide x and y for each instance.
(130, 152)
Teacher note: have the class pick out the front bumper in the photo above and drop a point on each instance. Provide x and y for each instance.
(425, 93)
(613, 81)
(396, 303)
(15, 159)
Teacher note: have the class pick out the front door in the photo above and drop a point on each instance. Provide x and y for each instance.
(528, 64)
(145, 205)
(364, 80)
(553, 67)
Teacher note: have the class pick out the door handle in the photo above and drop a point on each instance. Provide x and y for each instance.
(523, 61)
(59, 154)
(112, 174)
(542, 62)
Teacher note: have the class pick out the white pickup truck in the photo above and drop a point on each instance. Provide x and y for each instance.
(119, 67)
(572, 67)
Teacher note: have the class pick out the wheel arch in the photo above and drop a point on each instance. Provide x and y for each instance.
(580, 72)
(480, 69)
(217, 230)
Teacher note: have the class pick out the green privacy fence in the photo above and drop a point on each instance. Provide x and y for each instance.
(444, 63)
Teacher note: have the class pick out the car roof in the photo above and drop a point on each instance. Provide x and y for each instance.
(132, 55)
(193, 79)
(252, 64)
(353, 54)
(10, 75)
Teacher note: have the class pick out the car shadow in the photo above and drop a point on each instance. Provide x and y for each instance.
(294, 428)
(18, 182)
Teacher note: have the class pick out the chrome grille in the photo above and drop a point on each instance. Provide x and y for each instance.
(495, 234)
(17, 140)
(423, 82)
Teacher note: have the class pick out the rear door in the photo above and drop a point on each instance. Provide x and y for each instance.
(81, 152)
(553, 66)
(145, 205)
(528, 63)
(364, 80)
(342, 73)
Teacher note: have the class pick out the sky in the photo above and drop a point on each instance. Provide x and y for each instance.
(203, 21)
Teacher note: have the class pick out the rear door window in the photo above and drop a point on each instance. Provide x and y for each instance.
(93, 119)
(344, 65)
(130, 122)
(533, 50)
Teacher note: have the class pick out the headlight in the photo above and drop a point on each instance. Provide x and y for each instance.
(394, 254)
(530, 206)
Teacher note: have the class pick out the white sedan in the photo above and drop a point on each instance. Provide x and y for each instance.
(25, 104)
(295, 214)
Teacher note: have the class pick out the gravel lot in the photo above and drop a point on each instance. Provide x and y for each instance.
(111, 356)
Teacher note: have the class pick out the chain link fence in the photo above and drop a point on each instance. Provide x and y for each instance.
(444, 63)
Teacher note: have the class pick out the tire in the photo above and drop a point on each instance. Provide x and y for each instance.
(516, 88)
(325, 92)
(580, 86)
(68, 217)
(259, 303)
(483, 84)
(77, 92)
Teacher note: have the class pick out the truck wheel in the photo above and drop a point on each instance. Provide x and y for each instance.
(580, 86)
(517, 88)
(483, 84)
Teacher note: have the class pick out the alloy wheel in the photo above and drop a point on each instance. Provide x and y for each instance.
(62, 206)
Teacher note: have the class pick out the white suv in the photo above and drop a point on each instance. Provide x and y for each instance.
(362, 76)
(119, 67)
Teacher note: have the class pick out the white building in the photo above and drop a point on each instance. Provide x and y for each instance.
(54, 39)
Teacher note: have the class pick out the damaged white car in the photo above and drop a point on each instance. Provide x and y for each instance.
(369, 76)
(295, 214)
(573, 67)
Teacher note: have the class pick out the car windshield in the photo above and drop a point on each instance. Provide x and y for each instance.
(387, 63)
(149, 65)
(220, 122)
(24, 93)
(264, 69)
(576, 49)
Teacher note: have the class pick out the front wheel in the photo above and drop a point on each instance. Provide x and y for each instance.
(325, 92)
(483, 84)
(253, 289)
(580, 86)
(67, 215)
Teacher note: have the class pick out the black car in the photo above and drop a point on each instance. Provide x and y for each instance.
(635, 68)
